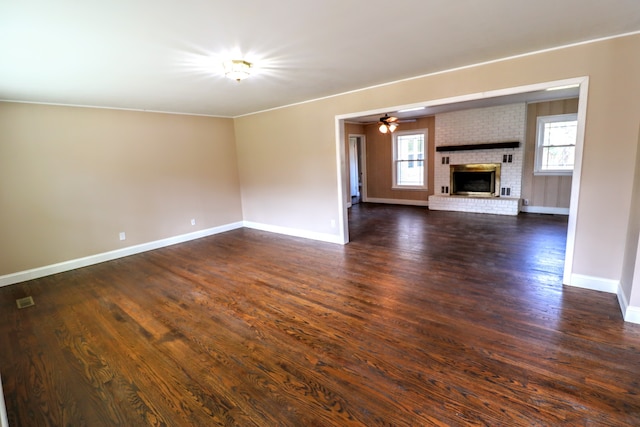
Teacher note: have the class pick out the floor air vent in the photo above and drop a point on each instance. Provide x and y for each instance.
(25, 302)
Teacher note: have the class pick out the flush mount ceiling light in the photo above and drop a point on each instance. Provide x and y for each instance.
(237, 69)
(388, 124)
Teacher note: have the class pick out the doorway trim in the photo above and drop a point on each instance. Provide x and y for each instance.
(583, 82)
(362, 169)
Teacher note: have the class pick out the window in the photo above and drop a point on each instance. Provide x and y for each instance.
(556, 144)
(409, 155)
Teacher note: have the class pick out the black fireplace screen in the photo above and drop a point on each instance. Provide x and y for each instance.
(473, 182)
(475, 179)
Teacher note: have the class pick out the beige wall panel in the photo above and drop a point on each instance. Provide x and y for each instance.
(540, 190)
(379, 162)
(609, 157)
(287, 164)
(302, 191)
(564, 192)
(630, 282)
(528, 191)
(72, 178)
(552, 189)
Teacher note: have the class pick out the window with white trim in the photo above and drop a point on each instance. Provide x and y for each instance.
(409, 159)
(556, 144)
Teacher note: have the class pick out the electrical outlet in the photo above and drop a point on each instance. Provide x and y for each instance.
(193, 221)
(333, 223)
(525, 202)
(122, 235)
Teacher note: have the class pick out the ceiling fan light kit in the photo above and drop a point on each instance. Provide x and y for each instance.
(388, 124)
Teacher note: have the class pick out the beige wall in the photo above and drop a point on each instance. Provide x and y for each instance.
(545, 190)
(631, 268)
(288, 173)
(380, 160)
(302, 190)
(72, 178)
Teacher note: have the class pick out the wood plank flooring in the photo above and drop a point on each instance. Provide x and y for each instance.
(425, 318)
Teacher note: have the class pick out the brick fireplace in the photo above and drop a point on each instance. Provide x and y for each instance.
(483, 136)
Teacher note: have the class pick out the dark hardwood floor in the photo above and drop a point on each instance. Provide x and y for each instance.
(425, 318)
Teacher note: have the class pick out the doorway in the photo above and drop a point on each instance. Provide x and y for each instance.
(524, 94)
(356, 173)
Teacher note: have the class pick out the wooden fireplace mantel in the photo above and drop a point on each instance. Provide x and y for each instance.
(487, 146)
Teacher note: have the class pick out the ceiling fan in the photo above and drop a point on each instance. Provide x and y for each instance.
(388, 123)
(385, 121)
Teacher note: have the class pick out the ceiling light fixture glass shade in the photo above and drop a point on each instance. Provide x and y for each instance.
(388, 124)
(385, 128)
(237, 69)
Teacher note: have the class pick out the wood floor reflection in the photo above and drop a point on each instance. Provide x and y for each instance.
(425, 318)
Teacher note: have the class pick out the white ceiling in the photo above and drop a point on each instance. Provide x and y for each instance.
(165, 55)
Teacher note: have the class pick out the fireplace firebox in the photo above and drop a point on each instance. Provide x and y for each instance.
(475, 180)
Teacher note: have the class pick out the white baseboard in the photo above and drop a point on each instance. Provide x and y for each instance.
(397, 201)
(622, 302)
(4, 421)
(544, 210)
(323, 237)
(630, 313)
(36, 273)
(595, 283)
